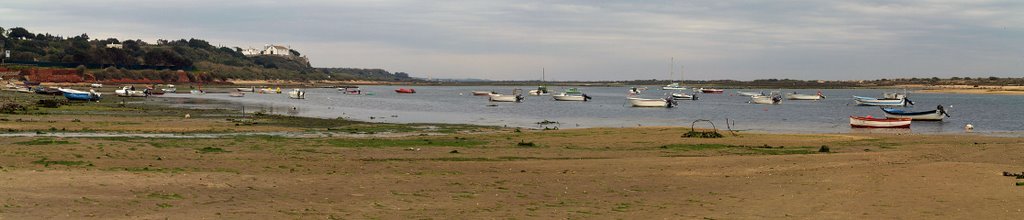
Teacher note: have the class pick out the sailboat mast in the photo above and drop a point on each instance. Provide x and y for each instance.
(543, 74)
(671, 68)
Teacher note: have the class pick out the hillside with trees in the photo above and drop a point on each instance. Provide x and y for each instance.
(112, 58)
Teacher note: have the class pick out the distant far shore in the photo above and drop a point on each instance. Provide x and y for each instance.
(970, 89)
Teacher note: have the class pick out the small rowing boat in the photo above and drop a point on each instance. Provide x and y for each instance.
(870, 122)
(72, 94)
(798, 96)
(405, 90)
(297, 94)
(711, 90)
(571, 94)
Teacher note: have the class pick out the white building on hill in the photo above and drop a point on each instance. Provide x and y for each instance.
(270, 49)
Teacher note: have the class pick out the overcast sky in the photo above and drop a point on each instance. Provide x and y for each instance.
(580, 40)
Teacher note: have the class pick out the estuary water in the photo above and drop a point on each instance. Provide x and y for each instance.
(993, 114)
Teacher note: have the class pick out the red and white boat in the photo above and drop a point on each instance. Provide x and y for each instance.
(405, 90)
(870, 122)
(711, 90)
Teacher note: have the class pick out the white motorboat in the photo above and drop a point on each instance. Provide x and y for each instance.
(505, 98)
(683, 96)
(297, 94)
(642, 102)
(197, 92)
(96, 85)
(571, 94)
(236, 94)
(765, 99)
(749, 94)
(170, 89)
(903, 101)
(798, 96)
(129, 91)
(673, 86)
(250, 89)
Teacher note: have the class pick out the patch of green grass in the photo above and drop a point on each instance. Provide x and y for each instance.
(405, 142)
(46, 163)
(881, 143)
(156, 195)
(44, 141)
(211, 150)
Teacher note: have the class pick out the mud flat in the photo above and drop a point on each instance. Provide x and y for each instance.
(463, 171)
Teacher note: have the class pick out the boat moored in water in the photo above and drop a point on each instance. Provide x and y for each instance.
(870, 122)
(798, 96)
(711, 90)
(297, 94)
(934, 115)
(642, 102)
(571, 94)
(405, 90)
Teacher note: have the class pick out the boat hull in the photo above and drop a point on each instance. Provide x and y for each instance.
(404, 90)
(933, 115)
(80, 95)
(712, 91)
(538, 93)
(297, 94)
(569, 98)
(639, 102)
(504, 98)
(881, 102)
(683, 96)
(760, 99)
(864, 122)
(481, 93)
(803, 97)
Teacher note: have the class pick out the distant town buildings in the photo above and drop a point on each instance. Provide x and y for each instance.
(268, 49)
(115, 46)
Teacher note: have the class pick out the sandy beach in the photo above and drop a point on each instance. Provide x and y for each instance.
(355, 170)
(969, 89)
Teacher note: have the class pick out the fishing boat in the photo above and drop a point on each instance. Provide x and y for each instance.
(129, 91)
(250, 89)
(197, 92)
(23, 90)
(152, 91)
(749, 94)
(96, 85)
(72, 94)
(703, 90)
(405, 90)
(683, 96)
(516, 96)
(482, 93)
(870, 122)
(642, 102)
(571, 94)
(236, 94)
(869, 101)
(170, 89)
(798, 96)
(934, 115)
(297, 94)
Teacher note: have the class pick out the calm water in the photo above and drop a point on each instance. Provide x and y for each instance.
(995, 114)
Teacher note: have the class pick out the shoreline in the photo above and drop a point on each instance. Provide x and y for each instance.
(465, 171)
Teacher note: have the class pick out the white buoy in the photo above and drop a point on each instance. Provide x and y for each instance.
(969, 127)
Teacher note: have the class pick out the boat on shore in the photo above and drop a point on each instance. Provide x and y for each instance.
(72, 94)
(934, 115)
(129, 91)
(47, 90)
(571, 94)
(870, 122)
(405, 90)
(643, 102)
(297, 94)
(170, 89)
(798, 96)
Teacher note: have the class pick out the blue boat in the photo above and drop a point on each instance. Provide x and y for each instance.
(72, 94)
